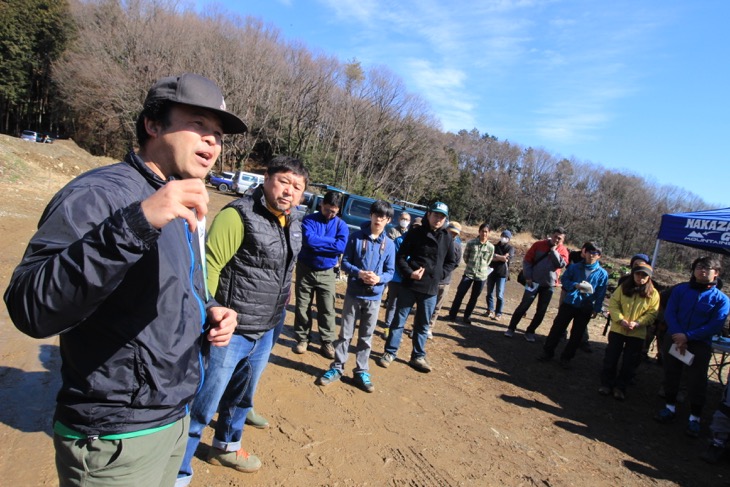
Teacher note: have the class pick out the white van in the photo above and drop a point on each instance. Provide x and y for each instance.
(242, 180)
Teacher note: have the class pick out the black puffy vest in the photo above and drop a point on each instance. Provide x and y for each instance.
(257, 280)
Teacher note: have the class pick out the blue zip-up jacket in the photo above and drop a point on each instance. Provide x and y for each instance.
(126, 299)
(364, 253)
(322, 241)
(698, 313)
(396, 245)
(576, 273)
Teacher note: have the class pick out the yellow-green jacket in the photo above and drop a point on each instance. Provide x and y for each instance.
(633, 308)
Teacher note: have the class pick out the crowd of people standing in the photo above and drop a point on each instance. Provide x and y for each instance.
(162, 326)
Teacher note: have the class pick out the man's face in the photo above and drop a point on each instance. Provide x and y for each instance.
(703, 274)
(404, 221)
(483, 234)
(591, 256)
(557, 239)
(189, 146)
(435, 220)
(283, 190)
(378, 223)
(328, 211)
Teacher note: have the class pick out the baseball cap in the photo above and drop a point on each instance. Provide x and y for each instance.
(439, 207)
(642, 257)
(507, 234)
(592, 247)
(195, 90)
(642, 267)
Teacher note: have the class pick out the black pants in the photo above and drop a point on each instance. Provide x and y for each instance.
(464, 285)
(696, 373)
(567, 313)
(630, 348)
(544, 294)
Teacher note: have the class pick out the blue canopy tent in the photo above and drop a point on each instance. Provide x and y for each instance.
(707, 230)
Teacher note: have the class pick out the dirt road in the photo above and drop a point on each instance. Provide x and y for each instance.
(489, 413)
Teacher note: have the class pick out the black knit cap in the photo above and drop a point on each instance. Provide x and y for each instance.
(195, 90)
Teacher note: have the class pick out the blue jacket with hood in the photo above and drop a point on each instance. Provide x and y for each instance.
(364, 253)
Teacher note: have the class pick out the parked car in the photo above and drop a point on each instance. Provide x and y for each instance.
(242, 180)
(29, 135)
(355, 209)
(223, 181)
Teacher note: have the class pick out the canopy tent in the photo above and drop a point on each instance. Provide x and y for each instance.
(707, 230)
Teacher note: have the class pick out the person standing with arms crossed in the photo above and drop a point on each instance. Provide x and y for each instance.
(541, 267)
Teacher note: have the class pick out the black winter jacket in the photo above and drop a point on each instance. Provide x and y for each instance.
(257, 280)
(434, 251)
(126, 299)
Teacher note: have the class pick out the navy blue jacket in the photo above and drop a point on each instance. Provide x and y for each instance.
(127, 300)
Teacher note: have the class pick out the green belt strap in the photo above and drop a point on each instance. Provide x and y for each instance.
(62, 430)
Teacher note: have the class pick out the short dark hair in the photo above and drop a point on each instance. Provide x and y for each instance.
(333, 198)
(288, 164)
(709, 261)
(483, 226)
(381, 208)
(157, 111)
(559, 230)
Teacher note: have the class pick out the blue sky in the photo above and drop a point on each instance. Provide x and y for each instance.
(637, 86)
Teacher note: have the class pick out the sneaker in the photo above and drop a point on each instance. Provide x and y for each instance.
(467, 320)
(420, 364)
(497, 317)
(530, 337)
(713, 454)
(604, 390)
(618, 394)
(241, 460)
(332, 375)
(665, 416)
(327, 350)
(256, 420)
(451, 317)
(300, 348)
(586, 347)
(429, 335)
(362, 380)
(693, 429)
(509, 333)
(385, 360)
(544, 358)
(565, 364)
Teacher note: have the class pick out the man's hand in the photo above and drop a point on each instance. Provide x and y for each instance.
(680, 339)
(187, 199)
(223, 321)
(418, 273)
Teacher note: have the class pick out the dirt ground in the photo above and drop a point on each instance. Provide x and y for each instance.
(489, 413)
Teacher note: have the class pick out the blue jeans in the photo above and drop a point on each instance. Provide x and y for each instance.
(229, 385)
(495, 283)
(425, 304)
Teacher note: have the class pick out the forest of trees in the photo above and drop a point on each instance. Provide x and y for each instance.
(82, 68)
